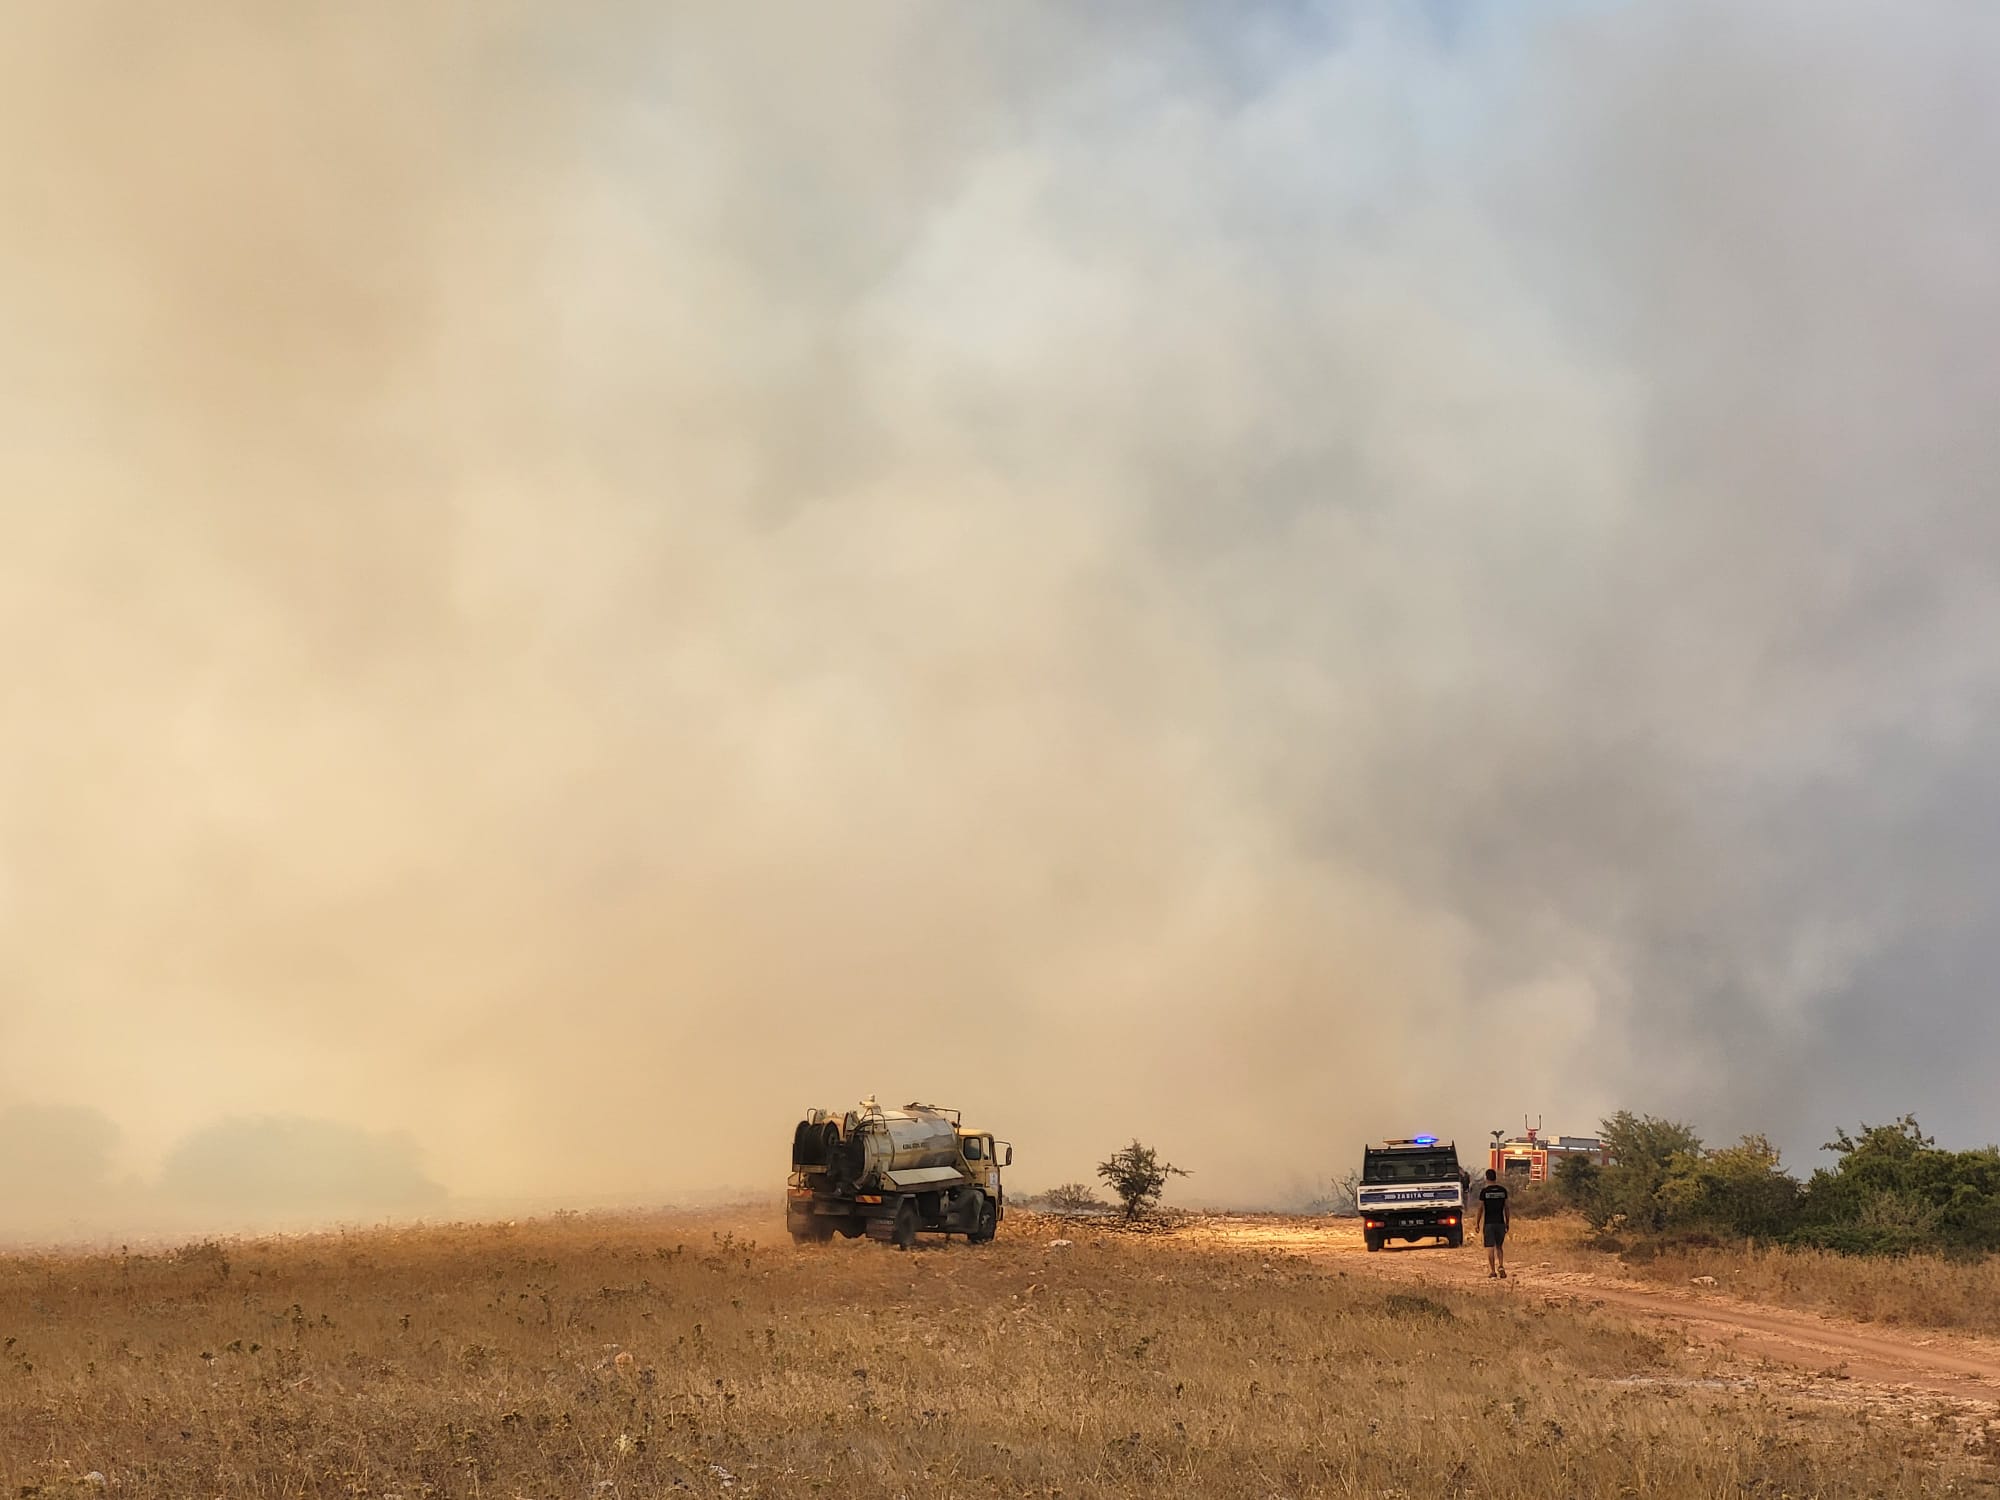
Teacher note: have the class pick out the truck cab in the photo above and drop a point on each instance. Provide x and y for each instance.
(981, 1158)
(1411, 1189)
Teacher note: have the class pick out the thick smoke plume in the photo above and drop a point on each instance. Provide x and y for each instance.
(581, 579)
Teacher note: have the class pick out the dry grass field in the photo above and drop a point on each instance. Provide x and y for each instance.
(1918, 1291)
(704, 1355)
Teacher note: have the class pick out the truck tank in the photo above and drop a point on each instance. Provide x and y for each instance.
(874, 1142)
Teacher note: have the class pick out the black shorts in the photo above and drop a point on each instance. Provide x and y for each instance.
(1496, 1236)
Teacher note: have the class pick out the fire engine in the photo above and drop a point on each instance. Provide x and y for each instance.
(1532, 1156)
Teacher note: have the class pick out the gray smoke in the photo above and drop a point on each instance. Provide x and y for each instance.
(584, 578)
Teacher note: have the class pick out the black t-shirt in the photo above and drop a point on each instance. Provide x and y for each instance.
(1493, 1202)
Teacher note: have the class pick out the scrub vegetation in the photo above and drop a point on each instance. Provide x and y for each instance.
(1892, 1191)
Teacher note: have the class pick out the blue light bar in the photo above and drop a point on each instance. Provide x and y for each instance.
(1426, 1140)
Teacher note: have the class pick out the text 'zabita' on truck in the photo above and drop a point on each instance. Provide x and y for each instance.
(892, 1173)
(1411, 1190)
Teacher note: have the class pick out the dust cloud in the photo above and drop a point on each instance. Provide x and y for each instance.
(582, 578)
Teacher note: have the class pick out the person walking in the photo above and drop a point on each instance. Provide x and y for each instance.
(1493, 1223)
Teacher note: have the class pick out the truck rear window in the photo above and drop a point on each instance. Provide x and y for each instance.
(1400, 1168)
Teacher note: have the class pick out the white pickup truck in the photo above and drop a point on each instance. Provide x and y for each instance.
(1411, 1190)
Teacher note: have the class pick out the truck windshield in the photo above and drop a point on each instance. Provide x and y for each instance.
(1431, 1166)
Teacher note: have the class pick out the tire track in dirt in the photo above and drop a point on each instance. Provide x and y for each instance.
(1936, 1363)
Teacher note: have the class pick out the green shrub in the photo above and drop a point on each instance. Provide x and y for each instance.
(1894, 1191)
(1742, 1189)
(1578, 1179)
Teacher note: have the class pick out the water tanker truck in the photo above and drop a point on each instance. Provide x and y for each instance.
(893, 1174)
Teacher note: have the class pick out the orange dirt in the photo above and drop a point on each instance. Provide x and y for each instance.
(1933, 1363)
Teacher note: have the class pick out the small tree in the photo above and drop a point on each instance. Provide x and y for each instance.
(1644, 1149)
(1137, 1176)
(1646, 1144)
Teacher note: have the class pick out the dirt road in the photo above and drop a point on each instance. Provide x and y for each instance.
(1898, 1360)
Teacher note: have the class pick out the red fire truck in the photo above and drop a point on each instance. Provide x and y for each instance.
(1532, 1156)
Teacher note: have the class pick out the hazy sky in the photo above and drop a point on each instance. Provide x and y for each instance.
(583, 578)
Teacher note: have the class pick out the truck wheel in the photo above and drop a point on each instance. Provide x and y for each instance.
(1455, 1240)
(989, 1224)
(906, 1224)
(1373, 1241)
(817, 1232)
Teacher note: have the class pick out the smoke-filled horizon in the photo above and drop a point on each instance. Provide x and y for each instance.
(584, 579)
